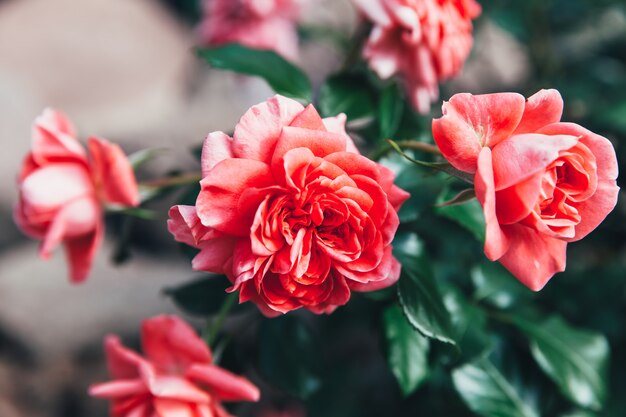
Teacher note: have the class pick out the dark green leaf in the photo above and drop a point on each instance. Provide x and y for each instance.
(421, 300)
(288, 356)
(462, 197)
(576, 360)
(283, 76)
(390, 110)
(407, 350)
(487, 392)
(349, 94)
(496, 286)
(202, 297)
(469, 214)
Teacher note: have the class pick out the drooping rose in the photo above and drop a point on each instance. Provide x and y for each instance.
(542, 182)
(175, 378)
(291, 212)
(259, 24)
(422, 41)
(62, 190)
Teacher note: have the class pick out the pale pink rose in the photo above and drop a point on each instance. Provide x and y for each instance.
(258, 24)
(542, 182)
(422, 41)
(175, 378)
(62, 190)
(291, 212)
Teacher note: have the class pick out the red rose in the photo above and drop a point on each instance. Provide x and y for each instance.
(542, 183)
(291, 212)
(423, 41)
(62, 190)
(176, 378)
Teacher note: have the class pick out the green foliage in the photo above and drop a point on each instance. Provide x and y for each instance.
(497, 287)
(283, 76)
(407, 350)
(349, 94)
(390, 110)
(576, 360)
(468, 214)
(202, 297)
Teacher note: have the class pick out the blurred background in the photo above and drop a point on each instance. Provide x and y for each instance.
(125, 70)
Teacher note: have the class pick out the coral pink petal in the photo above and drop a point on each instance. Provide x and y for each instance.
(259, 129)
(173, 408)
(226, 385)
(522, 156)
(54, 139)
(309, 118)
(319, 142)
(216, 147)
(542, 108)
(171, 386)
(337, 125)
(112, 170)
(517, 201)
(123, 363)
(496, 242)
(171, 344)
(186, 227)
(533, 258)
(81, 252)
(118, 388)
(52, 186)
(218, 201)
(214, 255)
(387, 273)
(594, 210)
(470, 123)
(353, 164)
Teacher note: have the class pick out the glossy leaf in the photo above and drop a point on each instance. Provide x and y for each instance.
(390, 109)
(421, 300)
(407, 350)
(346, 93)
(496, 286)
(488, 393)
(284, 77)
(202, 297)
(469, 214)
(576, 360)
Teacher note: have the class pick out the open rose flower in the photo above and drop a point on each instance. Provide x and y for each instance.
(542, 183)
(62, 190)
(176, 377)
(259, 24)
(291, 212)
(423, 41)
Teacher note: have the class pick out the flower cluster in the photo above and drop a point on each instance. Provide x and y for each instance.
(291, 212)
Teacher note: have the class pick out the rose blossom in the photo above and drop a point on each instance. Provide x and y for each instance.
(175, 378)
(62, 190)
(291, 212)
(542, 183)
(259, 24)
(423, 41)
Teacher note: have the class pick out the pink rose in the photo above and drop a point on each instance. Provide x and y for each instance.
(62, 190)
(175, 378)
(542, 183)
(291, 212)
(259, 24)
(423, 41)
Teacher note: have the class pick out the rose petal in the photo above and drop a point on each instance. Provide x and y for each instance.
(123, 363)
(470, 123)
(112, 171)
(216, 147)
(214, 255)
(224, 384)
(541, 109)
(81, 252)
(54, 140)
(118, 389)
(309, 118)
(318, 142)
(186, 227)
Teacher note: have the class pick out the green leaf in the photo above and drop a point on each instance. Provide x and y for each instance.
(346, 93)
(283, 76)
(421, 300)
(496, 286)
(469, 214)
(576, 360)
(407, 351)
(487, 392)
(140, 157)
(202, 297)
(288, 356)
(390, 109)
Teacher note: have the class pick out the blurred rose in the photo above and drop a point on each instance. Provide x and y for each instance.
(175, 378)
(542, 183)
(423, 41)
(62, 190)
(291, 212)
(259, 24)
